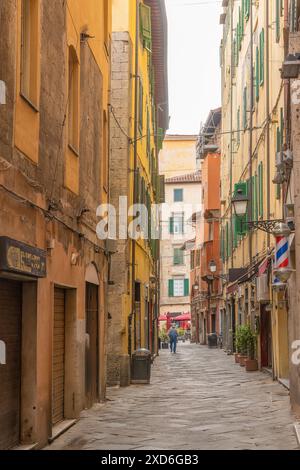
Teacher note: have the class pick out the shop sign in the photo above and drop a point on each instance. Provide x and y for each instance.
(16, 257)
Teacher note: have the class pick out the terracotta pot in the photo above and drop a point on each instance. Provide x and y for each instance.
(243, 360)
(251, 365)
(237, 358)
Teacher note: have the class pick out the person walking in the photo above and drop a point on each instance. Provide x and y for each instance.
(173, 335)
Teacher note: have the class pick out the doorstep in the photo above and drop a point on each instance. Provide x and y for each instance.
(60, 428)
(267, 370)
(297, 432)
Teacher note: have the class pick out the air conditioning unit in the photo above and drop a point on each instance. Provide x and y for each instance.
(262, 288)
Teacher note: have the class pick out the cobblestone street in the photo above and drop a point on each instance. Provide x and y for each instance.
(198, 399)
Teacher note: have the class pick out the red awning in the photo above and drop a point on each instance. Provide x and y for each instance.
(163, 318)
(183, 317)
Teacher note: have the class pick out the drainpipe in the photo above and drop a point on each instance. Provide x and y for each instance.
(231, 128)
(267, 27)
(136, 91)
(250, 215)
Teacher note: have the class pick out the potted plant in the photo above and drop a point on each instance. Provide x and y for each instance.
(164, 339)
(237, 345)
(244, 333)
(251, 362)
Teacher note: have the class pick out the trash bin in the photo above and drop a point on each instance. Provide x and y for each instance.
(212, 340)
(141, 366)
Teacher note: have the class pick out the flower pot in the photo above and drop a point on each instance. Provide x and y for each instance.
(243, 360)
(251, 365)
(237, 358)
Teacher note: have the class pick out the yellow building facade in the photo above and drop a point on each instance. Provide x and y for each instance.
(139, 118)
(55, 64)
(253, 131)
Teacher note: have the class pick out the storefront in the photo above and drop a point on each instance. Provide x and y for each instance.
(20, 267)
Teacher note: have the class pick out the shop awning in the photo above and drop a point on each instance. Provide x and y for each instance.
(183, 317)
(162, 318)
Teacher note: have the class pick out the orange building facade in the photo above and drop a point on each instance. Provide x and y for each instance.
(206, 267)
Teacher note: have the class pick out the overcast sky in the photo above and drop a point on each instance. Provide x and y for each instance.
(194, 73)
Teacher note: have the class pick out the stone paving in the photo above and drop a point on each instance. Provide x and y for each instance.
(198, 399)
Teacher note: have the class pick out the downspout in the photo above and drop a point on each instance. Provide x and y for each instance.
(231, 129)
(267, 27)
(135, 144)
(250, 214)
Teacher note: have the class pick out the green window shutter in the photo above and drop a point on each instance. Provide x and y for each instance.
(261, 190)
(137, 184)
(186, 287)
(171, 288)
(148, 135)
(145, 25)
(247, 9)
(278, 14)
(293, 16)
(177, 256)
(257, 75)
(245, 117)
(141, 106)
(235, 231)
(262, 57)
(160, 138)
(171, 225)
(278, 148)
(254, 198)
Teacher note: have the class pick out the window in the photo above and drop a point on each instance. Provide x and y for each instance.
(178, 195)
(245, 115)
(257, 75)
(177, 224)
(73, 110)
(210, 231)
(105, 152)
(145, 25)
(179, 287)
(178, 256)
(29, 50)
(294, 15)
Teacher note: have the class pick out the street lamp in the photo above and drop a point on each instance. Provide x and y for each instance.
(291, 66)
(212, 266)
(240, 203)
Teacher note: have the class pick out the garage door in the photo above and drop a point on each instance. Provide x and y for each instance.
(58, 367)
(10, 372)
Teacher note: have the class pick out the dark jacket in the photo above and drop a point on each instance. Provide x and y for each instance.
(173, 334)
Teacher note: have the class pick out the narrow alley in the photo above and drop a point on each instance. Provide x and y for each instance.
(198, 399)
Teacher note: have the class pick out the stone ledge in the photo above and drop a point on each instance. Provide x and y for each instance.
(60, 428)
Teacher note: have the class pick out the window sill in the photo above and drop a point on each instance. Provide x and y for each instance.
(27, 100)
(73, 149)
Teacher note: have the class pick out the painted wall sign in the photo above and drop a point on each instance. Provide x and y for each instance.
(2, 353)
(20, 258)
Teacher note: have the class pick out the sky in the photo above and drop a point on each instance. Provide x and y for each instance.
(194, 72)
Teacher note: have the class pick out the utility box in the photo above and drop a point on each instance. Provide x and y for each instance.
(141, 366)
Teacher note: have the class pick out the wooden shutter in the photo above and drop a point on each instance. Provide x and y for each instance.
(141, 106)
(257, 75)
(260, 190)
(171, 225)
(145, 24)
(247, 9)
(262, 57)
(171, 288)
(186, 287)
(278, 14)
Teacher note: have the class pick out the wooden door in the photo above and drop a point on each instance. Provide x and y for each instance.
(92, 345)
